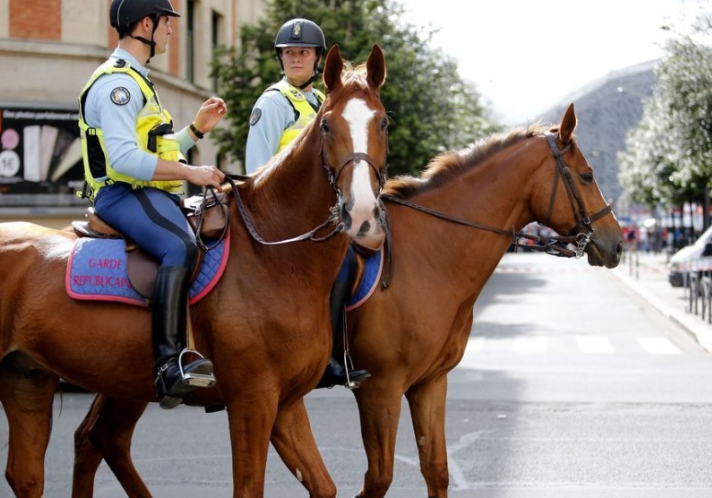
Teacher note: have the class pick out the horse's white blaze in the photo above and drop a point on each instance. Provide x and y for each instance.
(358, 115)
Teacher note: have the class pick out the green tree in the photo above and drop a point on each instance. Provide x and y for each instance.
(668, 156)
(431, 108)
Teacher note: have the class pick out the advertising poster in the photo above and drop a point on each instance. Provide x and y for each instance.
(40, 157)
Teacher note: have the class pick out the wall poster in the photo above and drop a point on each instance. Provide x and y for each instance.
(40, 157)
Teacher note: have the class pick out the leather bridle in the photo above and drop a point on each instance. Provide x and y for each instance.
(582, 230)
(333, 173)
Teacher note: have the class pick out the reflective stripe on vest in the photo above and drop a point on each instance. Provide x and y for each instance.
(152, 117)
(306, 112)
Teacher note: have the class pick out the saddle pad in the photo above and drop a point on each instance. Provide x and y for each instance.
(371, 277)
(97, 272)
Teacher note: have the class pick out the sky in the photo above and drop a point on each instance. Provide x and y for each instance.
(526, 56)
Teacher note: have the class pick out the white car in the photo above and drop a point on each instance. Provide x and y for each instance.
(697, 256)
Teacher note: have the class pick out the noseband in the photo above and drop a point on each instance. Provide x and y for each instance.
(333, 173)
(583, 229)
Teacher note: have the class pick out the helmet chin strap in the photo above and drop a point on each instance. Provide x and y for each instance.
(308, 82)
(151, 43)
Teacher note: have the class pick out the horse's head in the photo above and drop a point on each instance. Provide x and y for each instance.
(354, 130)
(575, 206)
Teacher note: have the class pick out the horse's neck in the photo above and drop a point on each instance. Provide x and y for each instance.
(495, 194)
(294, 190)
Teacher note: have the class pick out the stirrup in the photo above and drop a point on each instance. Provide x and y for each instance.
(194, 379)
(349, 366)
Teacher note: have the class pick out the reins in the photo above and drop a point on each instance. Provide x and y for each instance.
(216, 201)
(332, 175)
(556, 245)
(309, 235)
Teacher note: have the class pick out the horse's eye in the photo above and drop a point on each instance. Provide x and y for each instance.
(384, 124)
(587, 177)
(325, 126)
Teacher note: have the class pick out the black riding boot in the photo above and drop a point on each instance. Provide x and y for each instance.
(336, 371)
(169, 314)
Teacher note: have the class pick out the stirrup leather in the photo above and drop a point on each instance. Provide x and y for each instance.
(193, 379)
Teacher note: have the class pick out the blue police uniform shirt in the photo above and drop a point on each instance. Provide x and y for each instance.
(118, 122)
(271, 115)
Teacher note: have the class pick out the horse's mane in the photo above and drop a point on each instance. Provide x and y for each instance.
(450, 164)
(354, 75)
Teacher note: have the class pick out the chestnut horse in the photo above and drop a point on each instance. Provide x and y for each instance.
(268, 349)
(465, 209)
(450, 229)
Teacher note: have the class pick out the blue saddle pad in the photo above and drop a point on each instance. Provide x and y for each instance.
(371, 276)
(97, 272)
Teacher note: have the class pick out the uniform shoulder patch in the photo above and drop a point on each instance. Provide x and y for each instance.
(255, 116)
(120, 95)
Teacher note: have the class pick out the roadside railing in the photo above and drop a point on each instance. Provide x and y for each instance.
(697, 283)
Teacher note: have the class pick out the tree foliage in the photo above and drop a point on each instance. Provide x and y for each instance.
(430, 106)
(668, 156)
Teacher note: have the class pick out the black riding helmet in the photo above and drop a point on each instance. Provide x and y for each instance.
(301, 33)
(124, 13)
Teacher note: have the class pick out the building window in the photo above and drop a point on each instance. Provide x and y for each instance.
(190, 42)
(217, 23)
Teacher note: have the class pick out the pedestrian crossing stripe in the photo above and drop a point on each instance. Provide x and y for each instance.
(548, 269)
(584, 344)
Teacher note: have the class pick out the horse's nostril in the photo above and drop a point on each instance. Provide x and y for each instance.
(365, 227)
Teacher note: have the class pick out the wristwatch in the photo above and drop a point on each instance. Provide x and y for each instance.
(196, 131)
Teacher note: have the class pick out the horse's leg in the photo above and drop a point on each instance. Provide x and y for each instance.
(106, 432)
(27, 396)
(250, 419)
(427, 408)
(293, 439)
(379, 406)
(86, 457)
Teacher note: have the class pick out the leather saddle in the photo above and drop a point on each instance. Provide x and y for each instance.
(142, 268)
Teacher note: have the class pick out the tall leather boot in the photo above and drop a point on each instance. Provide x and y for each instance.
(169, 315)
(336, 372)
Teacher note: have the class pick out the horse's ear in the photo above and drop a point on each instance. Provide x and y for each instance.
(332, 69)
(568, 125)
(376, 67)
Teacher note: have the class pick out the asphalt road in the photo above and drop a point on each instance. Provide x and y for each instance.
(571, 386)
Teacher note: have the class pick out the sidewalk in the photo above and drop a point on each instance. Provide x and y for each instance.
(647, 275)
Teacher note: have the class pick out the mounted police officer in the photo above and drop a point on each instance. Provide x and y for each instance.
(279, 115)
(134, 170)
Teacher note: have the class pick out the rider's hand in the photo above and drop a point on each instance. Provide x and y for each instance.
(205, 176)
(210, 114)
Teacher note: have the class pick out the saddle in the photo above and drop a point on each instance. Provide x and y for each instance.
(142, 268)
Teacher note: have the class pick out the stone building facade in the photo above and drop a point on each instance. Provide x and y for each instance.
(48, 50)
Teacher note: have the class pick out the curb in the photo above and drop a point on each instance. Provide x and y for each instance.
(701, 332)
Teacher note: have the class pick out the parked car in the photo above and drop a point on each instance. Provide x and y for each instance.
(697, 255)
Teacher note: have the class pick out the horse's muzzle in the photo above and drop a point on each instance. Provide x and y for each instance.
(365, 230)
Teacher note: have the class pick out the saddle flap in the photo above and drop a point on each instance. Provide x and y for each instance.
(142, 269)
